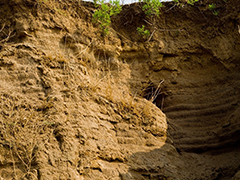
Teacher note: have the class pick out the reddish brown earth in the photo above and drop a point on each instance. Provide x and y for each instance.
(77, 105)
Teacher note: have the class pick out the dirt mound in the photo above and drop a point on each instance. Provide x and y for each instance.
(77, 105)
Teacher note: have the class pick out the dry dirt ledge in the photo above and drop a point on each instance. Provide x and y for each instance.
(73, 103)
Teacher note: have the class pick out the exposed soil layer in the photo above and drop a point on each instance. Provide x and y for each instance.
(78, 105)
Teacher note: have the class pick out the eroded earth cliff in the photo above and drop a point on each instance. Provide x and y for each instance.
(77, 105)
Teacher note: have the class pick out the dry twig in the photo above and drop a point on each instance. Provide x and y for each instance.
(2, 28)
(8, 36)
(151, 35)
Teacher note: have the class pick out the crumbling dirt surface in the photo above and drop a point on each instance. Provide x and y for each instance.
(77, 105)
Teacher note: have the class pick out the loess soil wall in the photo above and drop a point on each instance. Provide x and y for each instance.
(75, 104)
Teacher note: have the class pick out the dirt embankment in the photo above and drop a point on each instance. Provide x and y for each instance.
(77, 105)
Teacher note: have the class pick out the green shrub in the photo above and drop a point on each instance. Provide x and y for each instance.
(211, 6)
(215, 12)
(191, 2)
(142, 31)
(105, 12)
(151, 7)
